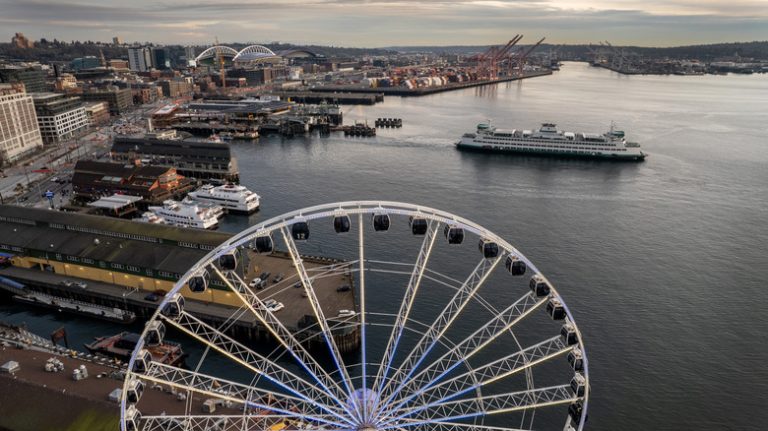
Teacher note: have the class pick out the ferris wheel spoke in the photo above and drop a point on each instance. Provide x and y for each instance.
(486, 374)
(298, 263)
(405, 307)
(254, 362)
(489, 405)
(443, 322)
(366, 409)
(457, 426)
(283, 336)
(229, 391)
(220, 388)
(470, 346)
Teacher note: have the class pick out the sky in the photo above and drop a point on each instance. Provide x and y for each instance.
(379, 23)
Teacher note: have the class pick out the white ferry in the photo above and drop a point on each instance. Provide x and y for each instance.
(548, 141)
(232, 197)
(186, 214)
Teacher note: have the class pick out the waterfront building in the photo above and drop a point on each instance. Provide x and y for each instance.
(33, 77)
(97, 113)
(191, 159)
(19, 132)
(140, 59)
(154, 184)
(119, 99)
(59, 116)
(129, 254)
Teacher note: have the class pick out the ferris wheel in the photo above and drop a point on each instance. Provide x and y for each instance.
(412, 319)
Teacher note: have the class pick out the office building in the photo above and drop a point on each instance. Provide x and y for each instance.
(60, 117)
(33, 77)
(21, 41)
(175, 87)
(140, 59)
(19, 133)
(88, 62)
(119, 99)
(117, 40)
(97, 113)
(161, 58)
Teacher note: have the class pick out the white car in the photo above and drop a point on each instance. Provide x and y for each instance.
(346, 313)
(255, 282)
(273, 306)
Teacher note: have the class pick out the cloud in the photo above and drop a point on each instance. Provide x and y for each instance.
(382, 23)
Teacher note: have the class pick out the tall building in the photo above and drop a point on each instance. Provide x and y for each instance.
(189, 55)
(21, 41)
(161, 58)
(33, 77)
(119, 99)
(60, 117)
(140, 59)
(117, 40)
(19, 133)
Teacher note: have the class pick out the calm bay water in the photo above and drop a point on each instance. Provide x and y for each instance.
(663, 262)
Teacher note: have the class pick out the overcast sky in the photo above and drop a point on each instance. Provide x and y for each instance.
(373, 23)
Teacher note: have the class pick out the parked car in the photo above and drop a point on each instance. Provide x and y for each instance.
(81, 284)
(279, 278)
(264, 275)
(344, 288)
(273, 306)
(346, 313)
(262, 285)
(66, 283)
(152, 297)
(297, 285)
(255, 283)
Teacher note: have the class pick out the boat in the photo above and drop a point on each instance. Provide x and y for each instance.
(548, 141)
(187, 214)
(121, 346)
(246, 135)
(234, 198)
(150, 217)
(80, 308)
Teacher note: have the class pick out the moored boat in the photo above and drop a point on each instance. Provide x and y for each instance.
(121, 346)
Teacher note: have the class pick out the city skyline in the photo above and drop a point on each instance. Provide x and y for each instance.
(355, 23)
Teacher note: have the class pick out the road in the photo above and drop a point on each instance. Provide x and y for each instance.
(25, 183)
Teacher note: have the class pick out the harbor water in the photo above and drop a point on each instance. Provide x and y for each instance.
(663, 262)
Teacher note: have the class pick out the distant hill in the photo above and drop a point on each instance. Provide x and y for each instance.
(758, 50)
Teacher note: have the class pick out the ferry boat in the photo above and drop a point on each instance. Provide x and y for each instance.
(121, 346)
(548, 141)
(187, 214)
(80, 308)
(234, 198)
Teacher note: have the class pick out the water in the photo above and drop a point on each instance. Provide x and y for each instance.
(662, 262)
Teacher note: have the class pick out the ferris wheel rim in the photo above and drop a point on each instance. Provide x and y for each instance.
(283, 221)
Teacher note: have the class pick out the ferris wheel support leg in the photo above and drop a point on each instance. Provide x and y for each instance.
(321, 320)
(405, 307)
(439, 327)
(283, 336)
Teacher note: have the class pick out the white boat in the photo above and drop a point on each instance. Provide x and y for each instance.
(548, 141)
(233, 198)
(150, 217)
(186, 214)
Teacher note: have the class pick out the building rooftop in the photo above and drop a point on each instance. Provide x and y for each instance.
(14, 217)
